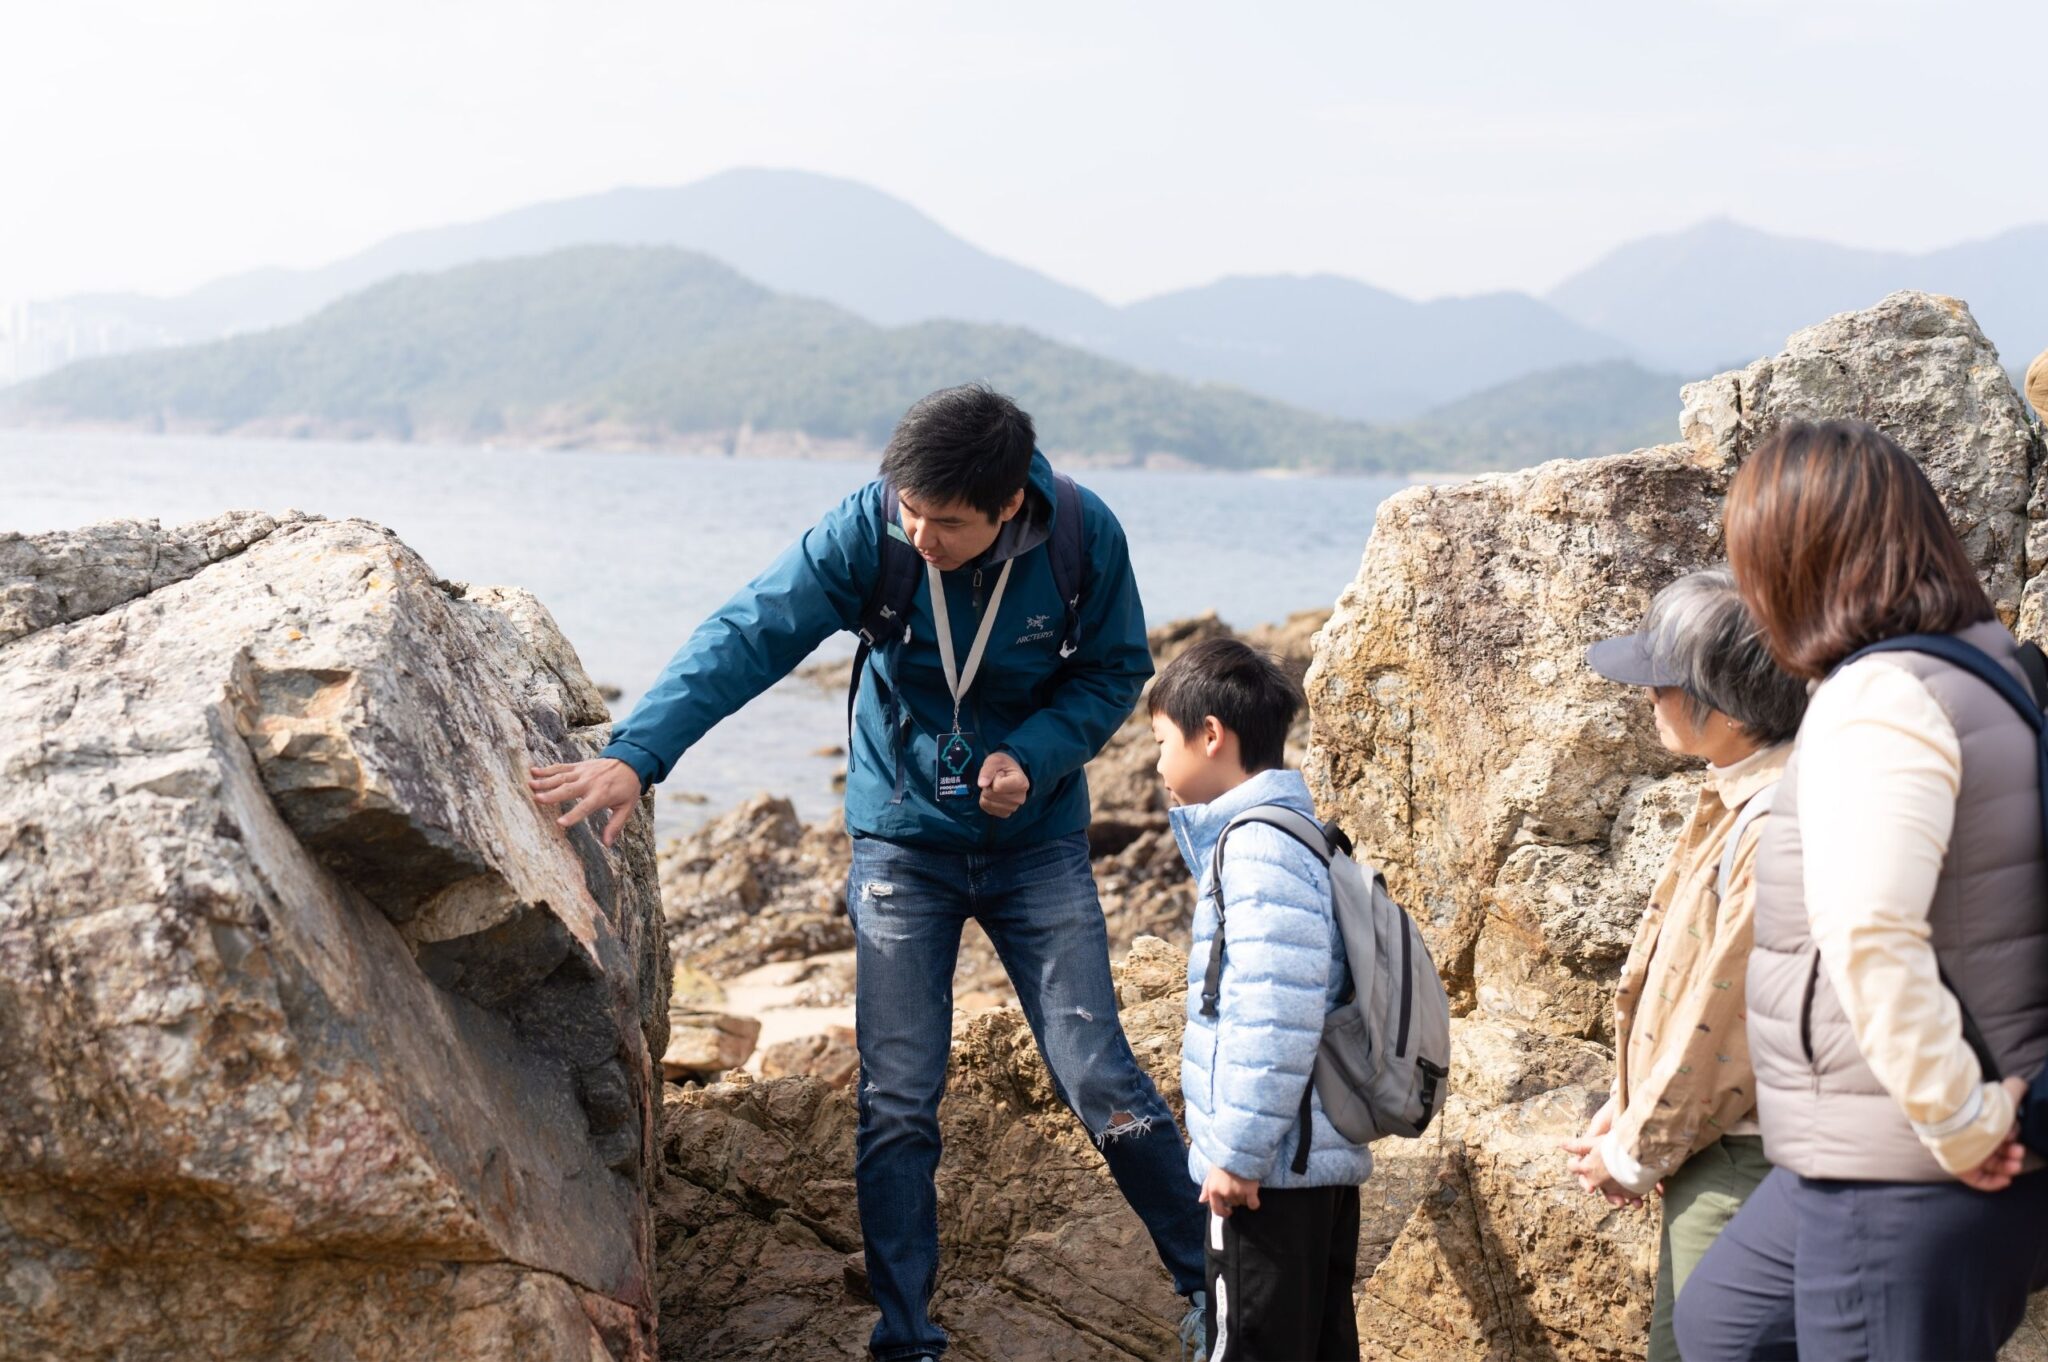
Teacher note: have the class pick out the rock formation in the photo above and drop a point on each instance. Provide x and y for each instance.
(317, 1039)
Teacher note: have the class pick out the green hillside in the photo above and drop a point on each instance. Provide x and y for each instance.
(1572, 412)
(659, 346)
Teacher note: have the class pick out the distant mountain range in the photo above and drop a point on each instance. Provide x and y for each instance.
(1326, 343)
(650, 346)
(1720, 293)
(1691, 302)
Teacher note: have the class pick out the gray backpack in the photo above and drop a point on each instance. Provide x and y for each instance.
(1385, 1058)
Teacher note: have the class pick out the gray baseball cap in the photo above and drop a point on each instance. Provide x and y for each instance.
(1631, 660)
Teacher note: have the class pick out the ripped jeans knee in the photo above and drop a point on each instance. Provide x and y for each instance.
(1121, 1125)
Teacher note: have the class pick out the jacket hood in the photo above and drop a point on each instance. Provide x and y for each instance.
(1031, 526)
(1197, 826)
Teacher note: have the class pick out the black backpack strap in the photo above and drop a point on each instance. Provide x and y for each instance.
(2034, 663)
(1302, 829)
(1068, 553)
(1979, 664)
(885, 615)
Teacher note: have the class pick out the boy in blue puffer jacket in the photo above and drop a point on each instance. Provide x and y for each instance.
(1283, 1230)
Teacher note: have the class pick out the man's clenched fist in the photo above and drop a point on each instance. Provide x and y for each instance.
(1004, 786)
(603, 783)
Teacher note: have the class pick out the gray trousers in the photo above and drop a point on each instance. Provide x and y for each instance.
(1883, 1271)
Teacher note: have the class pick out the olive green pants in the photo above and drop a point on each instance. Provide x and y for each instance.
(1699, 1201)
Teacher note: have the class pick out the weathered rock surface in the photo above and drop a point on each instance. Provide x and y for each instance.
(1521, 807)
(830, 1057)
(317, 1039)
(706, 1044)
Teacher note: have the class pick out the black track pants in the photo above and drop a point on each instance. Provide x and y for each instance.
(1280, 1278)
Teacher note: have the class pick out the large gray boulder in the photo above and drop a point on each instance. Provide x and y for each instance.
(317, 1039)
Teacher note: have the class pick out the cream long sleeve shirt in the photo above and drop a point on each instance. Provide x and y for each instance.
(1879, 771)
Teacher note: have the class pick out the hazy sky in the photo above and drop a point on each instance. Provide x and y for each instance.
(1129, 148)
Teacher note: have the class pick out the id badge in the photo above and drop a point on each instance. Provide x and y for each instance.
(959, 765)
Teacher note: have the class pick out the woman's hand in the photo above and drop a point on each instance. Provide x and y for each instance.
(1996, 1173)
(602, 783)
(1588, 1165)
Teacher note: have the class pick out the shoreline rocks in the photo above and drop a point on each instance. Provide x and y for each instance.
(318, 1033)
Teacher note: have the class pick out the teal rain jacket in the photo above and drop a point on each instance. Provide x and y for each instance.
(1051, 715)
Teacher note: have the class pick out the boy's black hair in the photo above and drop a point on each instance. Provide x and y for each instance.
(1243, 688)
(968, 444)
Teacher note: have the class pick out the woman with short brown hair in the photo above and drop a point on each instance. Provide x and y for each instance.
(1903, 859)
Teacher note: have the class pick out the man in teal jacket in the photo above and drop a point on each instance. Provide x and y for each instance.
(965, 797)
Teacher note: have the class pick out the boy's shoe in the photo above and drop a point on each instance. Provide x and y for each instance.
(1194, 1329)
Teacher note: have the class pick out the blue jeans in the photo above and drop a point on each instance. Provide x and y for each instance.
(1867, 1272)
(1038, 906)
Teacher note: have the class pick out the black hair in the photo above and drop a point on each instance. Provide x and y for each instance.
(967, 444)
(1242, 688)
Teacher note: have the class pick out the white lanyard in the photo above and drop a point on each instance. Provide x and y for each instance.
(955, 682)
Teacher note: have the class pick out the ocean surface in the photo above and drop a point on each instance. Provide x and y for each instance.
(631, 550)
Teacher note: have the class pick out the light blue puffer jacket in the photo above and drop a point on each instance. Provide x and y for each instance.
(1244, 1069)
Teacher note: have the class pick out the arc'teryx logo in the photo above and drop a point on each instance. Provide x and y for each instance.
(1035, 630)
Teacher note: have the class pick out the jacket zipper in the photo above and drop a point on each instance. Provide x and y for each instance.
(977, 588)
(1806, 1009)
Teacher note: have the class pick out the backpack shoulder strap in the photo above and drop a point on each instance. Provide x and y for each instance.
(1298, 826)
(2034, 663)
(885, 615)
(1068, 553)
(1755, 807)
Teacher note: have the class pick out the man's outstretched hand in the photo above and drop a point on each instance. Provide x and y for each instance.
(1004, 786)
(603, 783)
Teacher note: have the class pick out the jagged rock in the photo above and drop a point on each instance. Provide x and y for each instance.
(829, 1057)
(706, 1044)
(55, 578)
(1917, 367)
(756, 886)
(1522, 808)
(320, 1039)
